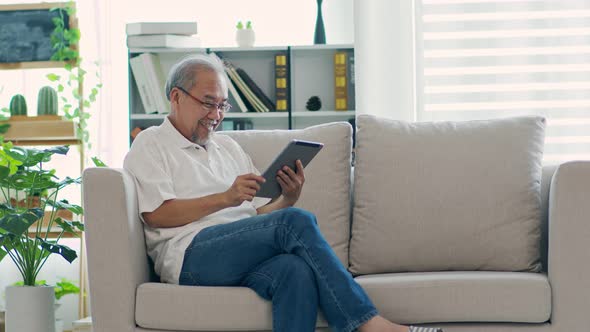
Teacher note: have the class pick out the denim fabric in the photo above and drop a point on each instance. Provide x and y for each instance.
(284, 258)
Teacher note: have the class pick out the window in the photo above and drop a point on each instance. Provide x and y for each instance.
(480, 59)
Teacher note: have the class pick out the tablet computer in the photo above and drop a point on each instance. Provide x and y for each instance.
(296, 149)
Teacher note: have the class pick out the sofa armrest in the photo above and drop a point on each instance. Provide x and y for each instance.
(569, 256)
(115, 242)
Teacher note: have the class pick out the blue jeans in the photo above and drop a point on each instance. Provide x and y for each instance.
(283, 257)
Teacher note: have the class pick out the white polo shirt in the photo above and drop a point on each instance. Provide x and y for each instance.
(166, 166)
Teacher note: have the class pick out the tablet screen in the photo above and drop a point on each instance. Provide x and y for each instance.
(296, 149)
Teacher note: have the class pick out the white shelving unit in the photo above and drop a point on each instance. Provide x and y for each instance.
(311, 73)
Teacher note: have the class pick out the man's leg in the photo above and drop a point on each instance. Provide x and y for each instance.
(223, 255)
(290, 284)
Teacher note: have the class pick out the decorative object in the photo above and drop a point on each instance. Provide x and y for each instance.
(47, 101)
(314, 104)
(30, 308)
(24, 237)
(37, 32)
(18, 105)
(245, 37)
(61, 288)
(320, 33)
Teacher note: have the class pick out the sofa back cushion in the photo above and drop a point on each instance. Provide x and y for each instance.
(437, 196)
(326, 191)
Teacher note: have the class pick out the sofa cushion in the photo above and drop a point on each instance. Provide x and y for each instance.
(477, 296)
(326, 191)
(197, 308)
(438, 196)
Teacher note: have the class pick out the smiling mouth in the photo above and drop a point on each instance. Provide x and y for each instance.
(210, 125)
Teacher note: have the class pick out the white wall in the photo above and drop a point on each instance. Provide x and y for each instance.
(384, 58)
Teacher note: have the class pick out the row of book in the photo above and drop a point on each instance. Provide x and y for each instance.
(344, 80)
(244, 94)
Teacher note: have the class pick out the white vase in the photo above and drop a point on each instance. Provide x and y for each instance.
(245, 37)
(30, 308)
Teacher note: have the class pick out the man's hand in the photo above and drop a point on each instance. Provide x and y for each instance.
(291, 182)
(243, 189)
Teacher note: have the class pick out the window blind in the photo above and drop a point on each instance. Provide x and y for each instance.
(481, 59)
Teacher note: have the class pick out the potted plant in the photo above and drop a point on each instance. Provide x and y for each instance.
(245, 37)
(23, 237)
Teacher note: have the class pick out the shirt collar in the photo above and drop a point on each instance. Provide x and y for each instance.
(175, 138)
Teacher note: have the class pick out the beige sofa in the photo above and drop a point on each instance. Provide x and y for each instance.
(125, 295)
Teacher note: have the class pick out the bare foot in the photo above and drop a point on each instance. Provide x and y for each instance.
(380, 324)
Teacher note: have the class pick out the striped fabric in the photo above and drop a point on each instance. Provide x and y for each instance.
(479, 59)
(424, 329)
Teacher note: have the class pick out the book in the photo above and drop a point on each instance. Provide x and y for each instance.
(161, 41)
(236, 98)
(340, 86)
(150, 82)
(245, 92)
(140, 78)
(282, 96)
(256, 89)
(159, 28)
(350, 81)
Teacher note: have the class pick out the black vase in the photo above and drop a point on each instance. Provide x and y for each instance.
(320, 33)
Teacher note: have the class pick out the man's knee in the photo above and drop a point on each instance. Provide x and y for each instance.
(300, 216)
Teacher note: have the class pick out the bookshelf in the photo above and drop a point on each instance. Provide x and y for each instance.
(310, 70)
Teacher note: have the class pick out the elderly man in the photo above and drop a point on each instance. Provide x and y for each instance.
(205, 225)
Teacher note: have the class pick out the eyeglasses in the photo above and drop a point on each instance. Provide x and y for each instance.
(208, 106)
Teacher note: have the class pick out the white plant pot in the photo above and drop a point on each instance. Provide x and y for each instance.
(30, 309)
(245, 37)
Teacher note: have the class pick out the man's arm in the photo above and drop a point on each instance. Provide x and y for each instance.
(179, 212)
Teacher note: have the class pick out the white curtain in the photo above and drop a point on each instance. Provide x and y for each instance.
(483, 59)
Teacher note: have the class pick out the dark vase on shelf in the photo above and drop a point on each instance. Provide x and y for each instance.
(320, 33)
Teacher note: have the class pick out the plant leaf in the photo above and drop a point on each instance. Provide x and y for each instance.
(4, 128)
(67, 181)
(98, 163)
(53, 77)
(2, 254)
(64, 204)
(65, 225)
(65, 287)
(64, 251)
(18, 223)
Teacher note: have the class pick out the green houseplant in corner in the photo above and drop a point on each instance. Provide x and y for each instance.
(24, 235)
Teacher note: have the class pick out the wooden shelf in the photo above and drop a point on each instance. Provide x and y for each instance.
(32, 65)
(65, 214)
(41, 131)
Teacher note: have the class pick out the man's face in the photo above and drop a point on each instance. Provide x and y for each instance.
(197, 116)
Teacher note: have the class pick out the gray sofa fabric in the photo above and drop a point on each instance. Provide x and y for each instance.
(440, 196)
(124, 298)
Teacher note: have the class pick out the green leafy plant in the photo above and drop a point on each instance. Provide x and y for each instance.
(68, 86)
(22, 234)
(64, 39)
(240, 25)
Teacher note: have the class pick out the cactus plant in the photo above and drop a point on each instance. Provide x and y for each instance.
(47, 101)
(18, 105)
